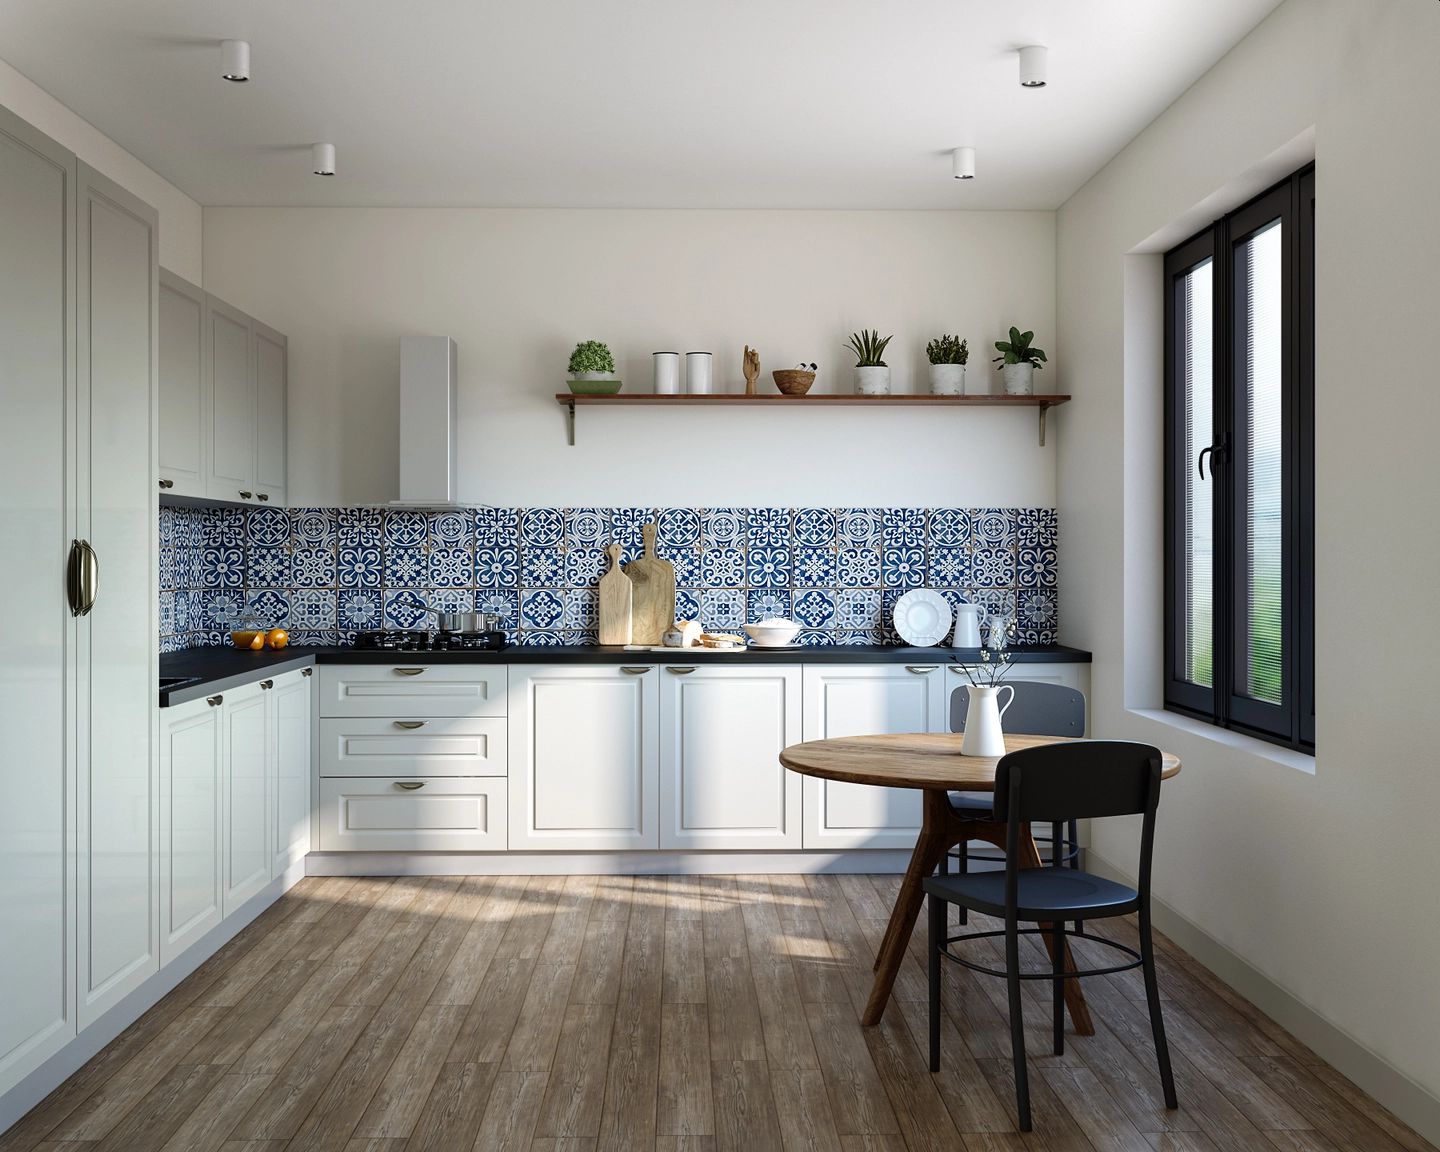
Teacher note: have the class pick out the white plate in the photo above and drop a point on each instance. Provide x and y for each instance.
(922, 617)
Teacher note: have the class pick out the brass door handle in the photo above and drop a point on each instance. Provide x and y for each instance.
(409, 725)
(410, 785)
(920, 669)
(680, 671)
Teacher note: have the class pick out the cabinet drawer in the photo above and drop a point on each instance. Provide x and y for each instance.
(413, 690)
(468, 746)
(393, 815)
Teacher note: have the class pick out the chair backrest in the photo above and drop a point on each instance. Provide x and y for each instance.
(1039, 709)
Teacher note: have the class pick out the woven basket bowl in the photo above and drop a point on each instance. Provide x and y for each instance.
(793, 381)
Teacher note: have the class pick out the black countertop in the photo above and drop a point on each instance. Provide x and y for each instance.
(210, 670)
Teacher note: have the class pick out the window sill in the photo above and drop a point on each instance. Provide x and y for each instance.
(1237, 741)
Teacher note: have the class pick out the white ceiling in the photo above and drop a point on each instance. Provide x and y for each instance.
(625, 103)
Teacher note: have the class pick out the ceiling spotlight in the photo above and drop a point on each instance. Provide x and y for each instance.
(1032, 66)
(235, 60)
(964, 163)
(322, 159)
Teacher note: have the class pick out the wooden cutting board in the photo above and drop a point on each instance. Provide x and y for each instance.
(654, 580)
(616, 602)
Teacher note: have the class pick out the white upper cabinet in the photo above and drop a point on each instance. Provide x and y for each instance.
(268, 355)
(857, 699)
(721, 734)
(184, 397)
(191, 785)
(232, 382)
(584, 768)
(37, 664)
(117, 306)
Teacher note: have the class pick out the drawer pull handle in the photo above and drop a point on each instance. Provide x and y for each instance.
(631, 670)
(267, 684)
(920, 669)
(409, 785)
(307, 672)
(409, 725)
(214, 701)
(680, 671)
(408, 671)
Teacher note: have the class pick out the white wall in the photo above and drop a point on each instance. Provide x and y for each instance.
(1323, 880)
(180, 236)
(518, 288)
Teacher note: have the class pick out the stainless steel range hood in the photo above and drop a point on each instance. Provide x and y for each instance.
(428, 453)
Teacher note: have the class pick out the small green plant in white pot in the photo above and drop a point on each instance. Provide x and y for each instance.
(1018, 360)
(872, 374)
(592, 369)
(948, 356)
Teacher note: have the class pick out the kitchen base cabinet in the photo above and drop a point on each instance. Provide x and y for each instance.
(451, 814)
(584, 764)
(721, 734)
(411, 691)
(247, 759)
(289, 739)
(445, 746)
(191, 785)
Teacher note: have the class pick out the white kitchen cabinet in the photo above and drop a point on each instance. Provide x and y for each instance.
(858, 699)
(412, 691)
(447, 746)
(191, 786)
(184, 395)
(247, 758)
(584, 763)
(722, 730)
(117, 283)
(268, 353)
(38, 659)
(413, 814)
(232, 431)
(289, 741)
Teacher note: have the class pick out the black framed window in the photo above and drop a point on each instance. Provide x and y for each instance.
(1240, 470)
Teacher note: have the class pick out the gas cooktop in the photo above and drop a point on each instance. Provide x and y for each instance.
(409, 640)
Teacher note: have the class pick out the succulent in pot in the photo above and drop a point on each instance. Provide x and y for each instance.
(948, 356)
(592, 368)
(1018, 360)
(872, 374)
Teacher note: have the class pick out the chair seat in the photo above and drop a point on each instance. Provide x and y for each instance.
(973, 803)
(1044, 894)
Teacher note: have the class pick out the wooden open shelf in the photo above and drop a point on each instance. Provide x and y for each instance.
(1042, 404)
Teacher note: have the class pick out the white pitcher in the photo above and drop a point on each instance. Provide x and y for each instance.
(983, 734)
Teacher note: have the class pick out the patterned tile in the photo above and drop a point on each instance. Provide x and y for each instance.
(497, 567)
(360, 567)
(496, 527)
(679, 526)
(360, 527)
(767, 527)
(814, 527)
(405, 568)
(541, 567)
(903, 527)
(267, 526)
(722, 527)
(722, 610)
(361, 609)
(311, 609)
(764, 604)
(722, 568)
(814, 607)
(858, 527)
(316, 527)
(542, 607)
(687, 604)
(587, 526)
(405, 528)
(813, 566)
(903, 567)
(451, 567)
(585, 565)
(406, 608)
(768, 567)
(313, 568)
(449, 530)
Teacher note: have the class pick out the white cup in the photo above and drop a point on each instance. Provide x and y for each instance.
(667, 373)
(699, 372)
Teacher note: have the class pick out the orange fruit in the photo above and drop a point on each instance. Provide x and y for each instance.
(247, 638)
(277, 638)
(258, 644)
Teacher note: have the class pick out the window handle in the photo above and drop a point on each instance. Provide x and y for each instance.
(1217, 452)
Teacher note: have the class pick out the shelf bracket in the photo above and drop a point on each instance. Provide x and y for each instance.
(570, 424)
(1044, 408)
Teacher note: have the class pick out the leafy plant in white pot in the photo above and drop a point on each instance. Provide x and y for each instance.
(872, 374)
(948, 357)
(1018, 361)
(592, 369)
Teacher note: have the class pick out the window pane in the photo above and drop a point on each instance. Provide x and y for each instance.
(1194, 335)
(1260, 464)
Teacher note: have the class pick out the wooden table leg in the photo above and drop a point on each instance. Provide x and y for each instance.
(941, 830)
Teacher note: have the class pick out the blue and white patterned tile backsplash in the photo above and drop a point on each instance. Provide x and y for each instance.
(326, 573)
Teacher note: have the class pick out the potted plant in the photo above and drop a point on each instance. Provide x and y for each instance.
(948, 357)
(872, 374)
(592, 369)
(1018, 361)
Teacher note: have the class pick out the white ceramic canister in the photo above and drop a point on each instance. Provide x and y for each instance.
(699, 372)
(667, 373)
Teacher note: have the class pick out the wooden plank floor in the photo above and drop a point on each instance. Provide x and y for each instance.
(679, 1014)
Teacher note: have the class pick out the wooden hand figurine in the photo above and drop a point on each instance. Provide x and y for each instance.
(752, 369)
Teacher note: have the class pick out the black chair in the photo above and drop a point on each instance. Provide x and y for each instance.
(1089, 779)
(1038, 709)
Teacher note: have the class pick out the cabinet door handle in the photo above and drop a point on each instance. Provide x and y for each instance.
(264, 496)
(680, 671)
(215, 701)
(267, 684)
(82, 577)
(307, 672)
(410, 785)
(408, 671)
(247, 495)
(167, 483)
(409, 725)
(920, 669)
(630, 670)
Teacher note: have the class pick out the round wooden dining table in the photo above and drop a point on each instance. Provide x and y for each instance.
(933, 763)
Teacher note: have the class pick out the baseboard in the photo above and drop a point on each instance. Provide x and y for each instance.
(1411, 1102)
(15, 1103)
(600, 863)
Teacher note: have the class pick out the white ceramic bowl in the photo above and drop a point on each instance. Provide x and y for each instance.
(773, 633)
